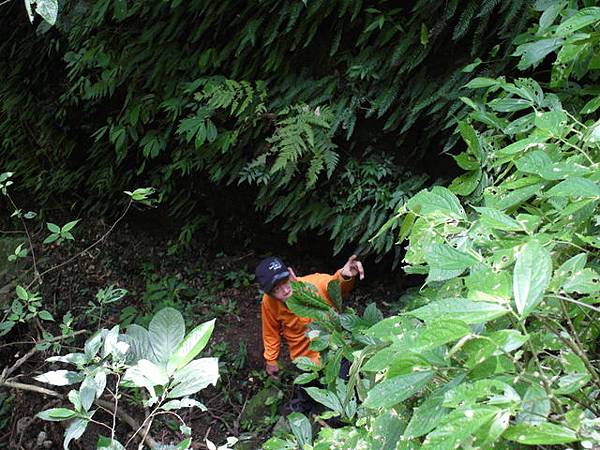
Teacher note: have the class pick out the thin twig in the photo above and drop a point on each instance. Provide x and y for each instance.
(150, 416)
(220, 419)
(101, 403)
(576, 302)
(8, 370)
(36, 273)
(73, 258)
(116, 395)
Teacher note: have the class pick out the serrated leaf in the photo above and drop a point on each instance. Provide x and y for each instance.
(429, 413)
(457, 427)
(580, 19)
(396, 389)
(439, 201)
(509, 104)
(444, 257)
(334, 291)
(533, 53)
(531, 276)
(438, 333)
(498, 220)
(575, 187)
(544, 433)
(465, 184)
(468, 311)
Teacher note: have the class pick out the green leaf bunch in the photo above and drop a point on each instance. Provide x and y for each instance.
(160, 359)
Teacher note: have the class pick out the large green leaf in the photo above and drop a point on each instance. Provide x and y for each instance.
(47, 9)
(191, 346)
(148, 375)
(490, 389)
(468, 311)
(552, 123)
(544, 433)
(139, 344)
(440, 332)
(301, 428)
(387, 430)
(534, 52)
(458, 426)
(580, 19)
(166, 331)
(531, 276)
(489, 285)
(87, 392)
(575, 187)
(430, 413)
(60, 377)
(495, 219)
(74, 431)
(394, 390)
(325, 397)
(194, 377)
(334, 290)
(439, 201)
(444, 257)
(56, 414)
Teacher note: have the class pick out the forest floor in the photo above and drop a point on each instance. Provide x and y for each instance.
(200, 283)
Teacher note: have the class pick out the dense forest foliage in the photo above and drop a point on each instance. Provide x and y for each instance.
(462, 137)
(323, 116)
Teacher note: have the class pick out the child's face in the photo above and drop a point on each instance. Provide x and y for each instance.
(282, 290)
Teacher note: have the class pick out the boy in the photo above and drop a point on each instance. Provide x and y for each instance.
(275, 278)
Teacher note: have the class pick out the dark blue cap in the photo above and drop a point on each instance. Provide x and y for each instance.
(270, 271)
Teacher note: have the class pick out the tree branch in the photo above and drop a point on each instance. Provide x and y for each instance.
(102, 403)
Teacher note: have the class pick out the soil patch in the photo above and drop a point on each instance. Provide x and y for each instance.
(199, 283)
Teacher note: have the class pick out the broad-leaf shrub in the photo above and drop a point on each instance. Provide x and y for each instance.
(160, 360)
(500, 353)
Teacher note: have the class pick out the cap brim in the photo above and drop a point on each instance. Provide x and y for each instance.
(277, 278)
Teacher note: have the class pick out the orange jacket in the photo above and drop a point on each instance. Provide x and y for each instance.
(277, 319)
